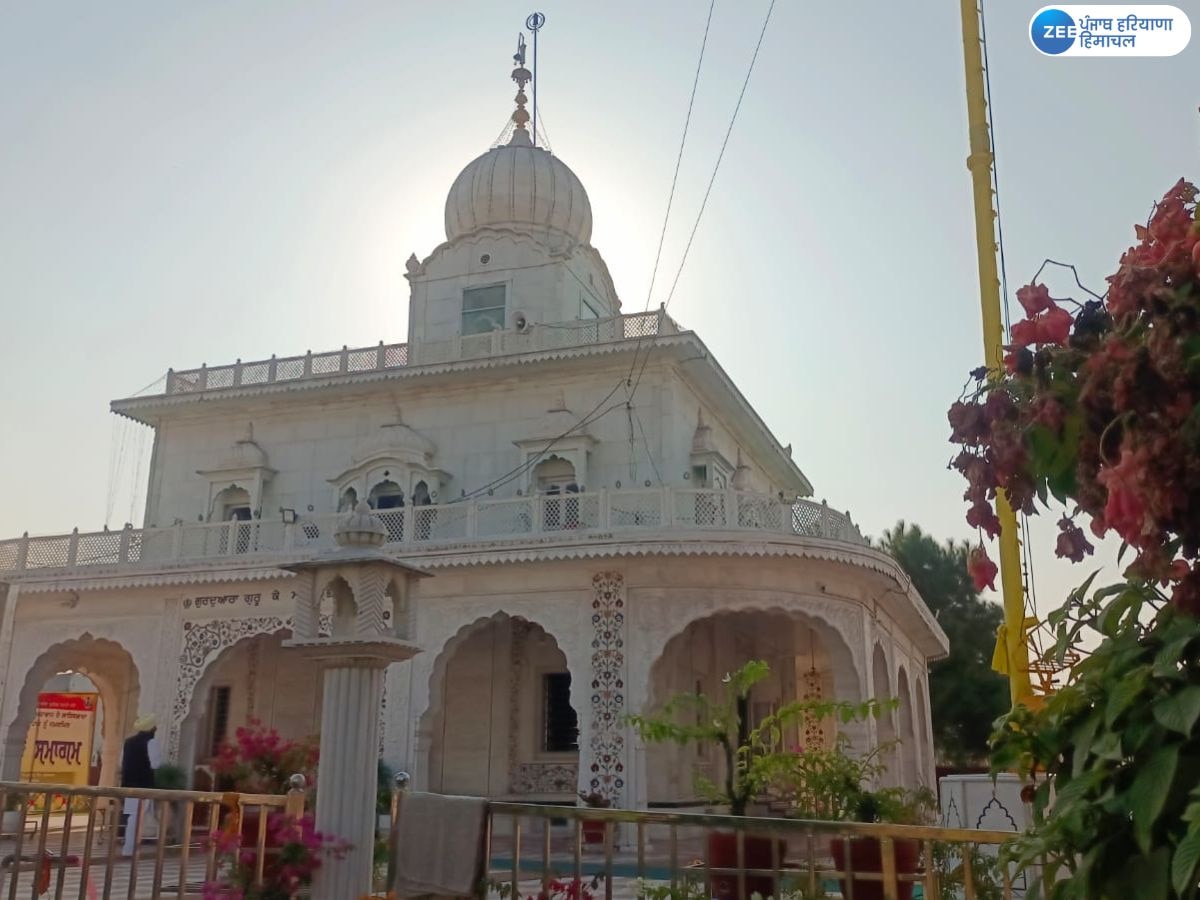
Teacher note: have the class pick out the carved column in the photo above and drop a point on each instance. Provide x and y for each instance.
(346, 788)
(354, 659)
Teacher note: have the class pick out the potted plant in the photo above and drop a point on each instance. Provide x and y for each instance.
(833, 783)
(754, 762)
(593, 829)
(897, 806)
(171, 777)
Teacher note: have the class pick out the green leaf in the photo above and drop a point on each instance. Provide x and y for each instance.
(1149, 792)
(1185, 861)
(1179, 711)
(1147, 876)
(1166, 661)
(1123, 695)
(1083, 737)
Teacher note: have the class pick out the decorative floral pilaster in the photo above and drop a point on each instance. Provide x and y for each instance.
(607, 744)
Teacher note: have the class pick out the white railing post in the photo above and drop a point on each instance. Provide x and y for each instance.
(668, 508)
(823, 520)
(344, 360)
(604, 514)
(177, 540)
(23, 552)
(539, 511)
(272, 368)
(473, 517)
(289, 536)
(380, 356)
(73, 547)
(237, 372)
(731, 508)
(170, 389)
(126, 534)
(202, 381)
(307, 363)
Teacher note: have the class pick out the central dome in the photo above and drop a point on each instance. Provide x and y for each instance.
(518, 186)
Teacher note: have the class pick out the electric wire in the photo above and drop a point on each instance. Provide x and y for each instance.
(674, 181)
(712, 179)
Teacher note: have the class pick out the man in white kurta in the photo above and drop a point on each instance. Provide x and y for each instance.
(140, 758)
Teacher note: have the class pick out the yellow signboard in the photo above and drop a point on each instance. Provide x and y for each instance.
(58, 749)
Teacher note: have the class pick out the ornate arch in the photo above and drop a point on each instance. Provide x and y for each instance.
(203, 643)
(120, 701)
(842, 620)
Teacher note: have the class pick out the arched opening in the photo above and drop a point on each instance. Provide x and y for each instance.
(910, 751)
(553, 475)
(808, 661)
(386, 495)
(885, 725)
(256, 678)
(345, 609)
(923, 734)
(555, 478)
(106, 665)
(232, 504)
(501, 721)
(348, 501)
(388, 498)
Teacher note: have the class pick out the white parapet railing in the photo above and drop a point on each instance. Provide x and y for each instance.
(416, 529)
(385, 357)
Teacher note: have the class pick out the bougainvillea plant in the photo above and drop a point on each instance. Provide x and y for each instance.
(295, 850)
(260, 761)
(1098, 408)
(1097, 416)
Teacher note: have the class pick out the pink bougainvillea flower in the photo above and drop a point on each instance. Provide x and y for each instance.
(981, 568)
(1053, 326)
(1035, 298)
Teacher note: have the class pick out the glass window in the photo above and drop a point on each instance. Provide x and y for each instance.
(483, 309)
(560, 727)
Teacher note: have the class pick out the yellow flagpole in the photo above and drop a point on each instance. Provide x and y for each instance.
(1015, 649)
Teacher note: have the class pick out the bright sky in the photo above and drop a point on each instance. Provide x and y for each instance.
(187, 183)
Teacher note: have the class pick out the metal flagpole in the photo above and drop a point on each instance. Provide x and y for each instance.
(534, 23)
(980, 163)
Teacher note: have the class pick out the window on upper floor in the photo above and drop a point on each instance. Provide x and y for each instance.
(348, 501)
(483, 309)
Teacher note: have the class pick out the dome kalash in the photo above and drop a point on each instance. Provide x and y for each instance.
(519, 185)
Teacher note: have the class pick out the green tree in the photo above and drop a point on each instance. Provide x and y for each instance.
(965, 695)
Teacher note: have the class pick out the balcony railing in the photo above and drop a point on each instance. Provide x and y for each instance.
(385, 357)
(417, 529)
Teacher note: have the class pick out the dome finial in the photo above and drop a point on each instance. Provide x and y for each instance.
(522, 76)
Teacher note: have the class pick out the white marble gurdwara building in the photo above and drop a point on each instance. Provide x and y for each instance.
(604, 519)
